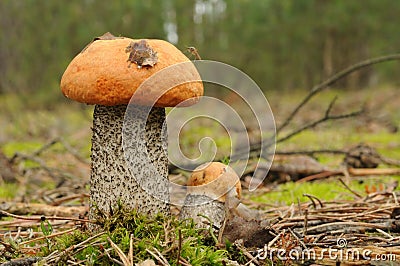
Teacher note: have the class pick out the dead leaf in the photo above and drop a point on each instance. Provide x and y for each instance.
(141, 54)
(105, 36)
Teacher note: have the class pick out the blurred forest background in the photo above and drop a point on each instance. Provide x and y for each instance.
(282, 45)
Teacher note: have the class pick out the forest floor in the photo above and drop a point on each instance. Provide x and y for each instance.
(51, 150)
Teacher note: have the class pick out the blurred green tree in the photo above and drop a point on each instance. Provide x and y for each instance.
(284, 44)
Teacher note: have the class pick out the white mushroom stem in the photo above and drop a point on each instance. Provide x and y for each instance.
(203, 209)
(213, 192)
(115, 179)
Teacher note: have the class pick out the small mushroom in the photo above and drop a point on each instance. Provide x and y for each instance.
(213, 189)
(213, 195)
(101, 75)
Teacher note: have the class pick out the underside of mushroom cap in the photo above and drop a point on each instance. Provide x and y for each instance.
(102, 74)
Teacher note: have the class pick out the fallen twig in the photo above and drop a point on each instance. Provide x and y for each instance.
(39, 218)
(240, 246)
(312, 197)
(341, 224)
(126, 260)
(47, 237)
(18, 208)
(349, 189)
(321, 175)
(57, 254)
(69, 198)
(35, 159)
(353, 172)
(373, 171)
(66, 146)
(297, 238)
(390, 161)
(161, 259)
(23, 261)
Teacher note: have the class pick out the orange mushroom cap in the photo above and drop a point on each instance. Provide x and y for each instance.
(101, 74)
(214, 180)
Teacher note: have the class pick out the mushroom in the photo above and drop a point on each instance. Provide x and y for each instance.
(107, 73)
(213, 189)
(213, 195)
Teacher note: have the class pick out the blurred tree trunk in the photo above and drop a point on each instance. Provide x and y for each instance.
(328, 54)
(185, 24)
(7, 172)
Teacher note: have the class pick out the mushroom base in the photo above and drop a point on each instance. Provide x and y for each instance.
(205, 206)
(120, 172)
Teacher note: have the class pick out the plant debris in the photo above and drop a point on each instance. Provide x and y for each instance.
(362, 156)
(368, 224)
(141, 54)
(105, 36)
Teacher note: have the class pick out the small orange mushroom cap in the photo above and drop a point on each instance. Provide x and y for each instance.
(101, 74)
(215, 180)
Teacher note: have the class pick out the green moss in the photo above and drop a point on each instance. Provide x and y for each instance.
(161, 233)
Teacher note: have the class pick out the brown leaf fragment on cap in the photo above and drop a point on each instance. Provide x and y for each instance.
(106, 36)
(141, 54)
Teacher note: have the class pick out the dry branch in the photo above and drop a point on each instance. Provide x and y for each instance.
(47, 237)
(311, 152)
(39, 218)
(349, 189)
(53, 258)
(66, 146)
(255, 148)
(373, 171)
(390, 161)
(330, 81)
(362, 224)
(43, 209)
(35, 157)
(327, 117)
(59, 201)
(321, 175)
(22, 262)
(352, 172)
